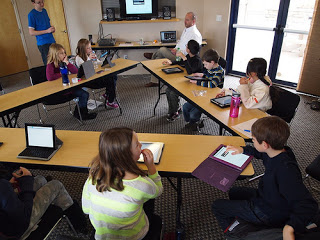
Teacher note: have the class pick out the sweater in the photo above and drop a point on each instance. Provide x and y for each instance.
(120, 214)
(281, 193)
(16, 209)
(215, 78)
(192, 64)
(53, 73)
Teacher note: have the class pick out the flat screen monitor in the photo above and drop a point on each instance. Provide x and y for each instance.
(138, 9)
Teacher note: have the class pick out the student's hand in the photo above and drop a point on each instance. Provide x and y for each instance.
(173, 51)
(23, 172)
(180, 54)
(193, 81)
(166, 62)
(236, 150)
(244, 80)
(51, 29)
(148, 161)
(197, 74)
(92, 55)
(221, 94)
(65, 60)
(288, 233)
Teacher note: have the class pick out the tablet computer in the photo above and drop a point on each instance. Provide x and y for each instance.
(222, 101)
(197, 78)
(172, 70)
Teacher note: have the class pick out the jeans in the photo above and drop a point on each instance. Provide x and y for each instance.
(44, 49)
(47, 193)
(191, 114)
(109, 83)
(173, 101)
(239, 206)
(83, 97)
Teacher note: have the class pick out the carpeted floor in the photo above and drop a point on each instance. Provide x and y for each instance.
(137, 104)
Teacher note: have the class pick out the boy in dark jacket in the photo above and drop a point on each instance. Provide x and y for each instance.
(281, 199)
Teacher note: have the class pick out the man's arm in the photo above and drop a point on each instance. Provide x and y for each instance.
(33, 32)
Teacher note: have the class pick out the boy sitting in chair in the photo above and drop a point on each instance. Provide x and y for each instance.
(281, 199)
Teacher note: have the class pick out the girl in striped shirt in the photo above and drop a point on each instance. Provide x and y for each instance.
(116, 189)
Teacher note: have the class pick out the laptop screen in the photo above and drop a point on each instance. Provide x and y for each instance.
(40, 136)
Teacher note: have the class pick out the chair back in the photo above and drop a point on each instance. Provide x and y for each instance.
(222, 62)
(314, 168)
(38, 75)
(286, 105)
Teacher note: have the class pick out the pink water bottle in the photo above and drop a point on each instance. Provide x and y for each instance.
(235, 104)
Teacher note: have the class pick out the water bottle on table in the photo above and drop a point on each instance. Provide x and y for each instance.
(235, 104)
(64, 73)
(94, 61)
(178, 58)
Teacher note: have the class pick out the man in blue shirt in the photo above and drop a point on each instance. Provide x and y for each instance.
(39, 26)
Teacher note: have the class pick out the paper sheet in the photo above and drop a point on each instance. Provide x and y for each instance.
(245, 127)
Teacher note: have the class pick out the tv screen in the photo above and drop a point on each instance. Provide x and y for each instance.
(138, 9)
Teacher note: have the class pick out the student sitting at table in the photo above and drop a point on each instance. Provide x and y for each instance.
(281, 200)
(116, 190)
(57, 55)
(214, 77)
(193, 64)
(24, 199)
(256, 91)
(84, 53)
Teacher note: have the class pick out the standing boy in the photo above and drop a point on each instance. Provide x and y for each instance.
(281, 199)
(39, 26)
(192, 62)
(214, 77)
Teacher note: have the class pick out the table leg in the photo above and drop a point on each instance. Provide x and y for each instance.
(179, 225)
(159, 95)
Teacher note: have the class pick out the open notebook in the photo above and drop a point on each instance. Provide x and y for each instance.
(155, 147)
(221, 169)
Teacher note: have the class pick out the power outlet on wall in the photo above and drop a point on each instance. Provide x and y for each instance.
(125, 56)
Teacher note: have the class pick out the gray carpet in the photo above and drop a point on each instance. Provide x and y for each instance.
(137, 104)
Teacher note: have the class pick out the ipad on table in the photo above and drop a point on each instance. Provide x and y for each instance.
(172, 70)
(197, 78)
(222, 101)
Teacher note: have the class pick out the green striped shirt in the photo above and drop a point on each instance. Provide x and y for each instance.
(120, 214)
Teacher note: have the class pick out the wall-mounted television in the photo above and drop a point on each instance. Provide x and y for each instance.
(138, 9)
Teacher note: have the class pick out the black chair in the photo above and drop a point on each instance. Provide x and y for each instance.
(286, 105)
(313, 170)
(38, 75)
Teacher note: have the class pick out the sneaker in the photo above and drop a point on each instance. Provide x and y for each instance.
(192, 126)
(179, 110)
(173, 117)
(112, 105)
(200, 124)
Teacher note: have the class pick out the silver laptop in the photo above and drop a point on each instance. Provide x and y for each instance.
(41, 142)
(88, 69)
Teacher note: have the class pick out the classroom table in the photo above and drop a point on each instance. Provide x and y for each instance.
(181, 85)
(14, 102)
(180, 156)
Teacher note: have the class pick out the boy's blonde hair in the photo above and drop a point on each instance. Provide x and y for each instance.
(273, 130)
(53, 54)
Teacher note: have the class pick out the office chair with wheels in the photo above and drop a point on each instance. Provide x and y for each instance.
(38, 75)
(313, 170)
(286, 105)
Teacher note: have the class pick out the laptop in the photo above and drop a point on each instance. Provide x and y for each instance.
(41, 142)
(86, 69)
(107, 60)
(168, 36)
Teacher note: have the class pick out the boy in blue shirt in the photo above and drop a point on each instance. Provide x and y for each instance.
(281, 199)
(214, 77)
(39, 26)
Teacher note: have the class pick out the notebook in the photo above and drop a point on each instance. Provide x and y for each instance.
(155, 147)
(222, 169)
(86, 69)
(172, 70)
(41, 142)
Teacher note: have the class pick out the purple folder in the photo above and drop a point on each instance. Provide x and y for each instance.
(219, 173)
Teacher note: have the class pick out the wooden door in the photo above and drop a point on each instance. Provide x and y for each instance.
(13, 57)
(57, 19)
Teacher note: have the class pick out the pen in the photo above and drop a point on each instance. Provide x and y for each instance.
(246, 130)
(232, 90)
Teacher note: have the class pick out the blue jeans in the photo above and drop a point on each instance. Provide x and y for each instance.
(239, 206)
(44, 49)
(190, 113)
(173, 101)
(83, 97)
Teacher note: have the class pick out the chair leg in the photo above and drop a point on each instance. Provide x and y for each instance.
(94, 97)
(45, 110)
(80, 120)
(70, 224)
(40, 119)
(120, 109)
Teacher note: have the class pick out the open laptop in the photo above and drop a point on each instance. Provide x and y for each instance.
(168, 36)
(86, 69)
(41, 142)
